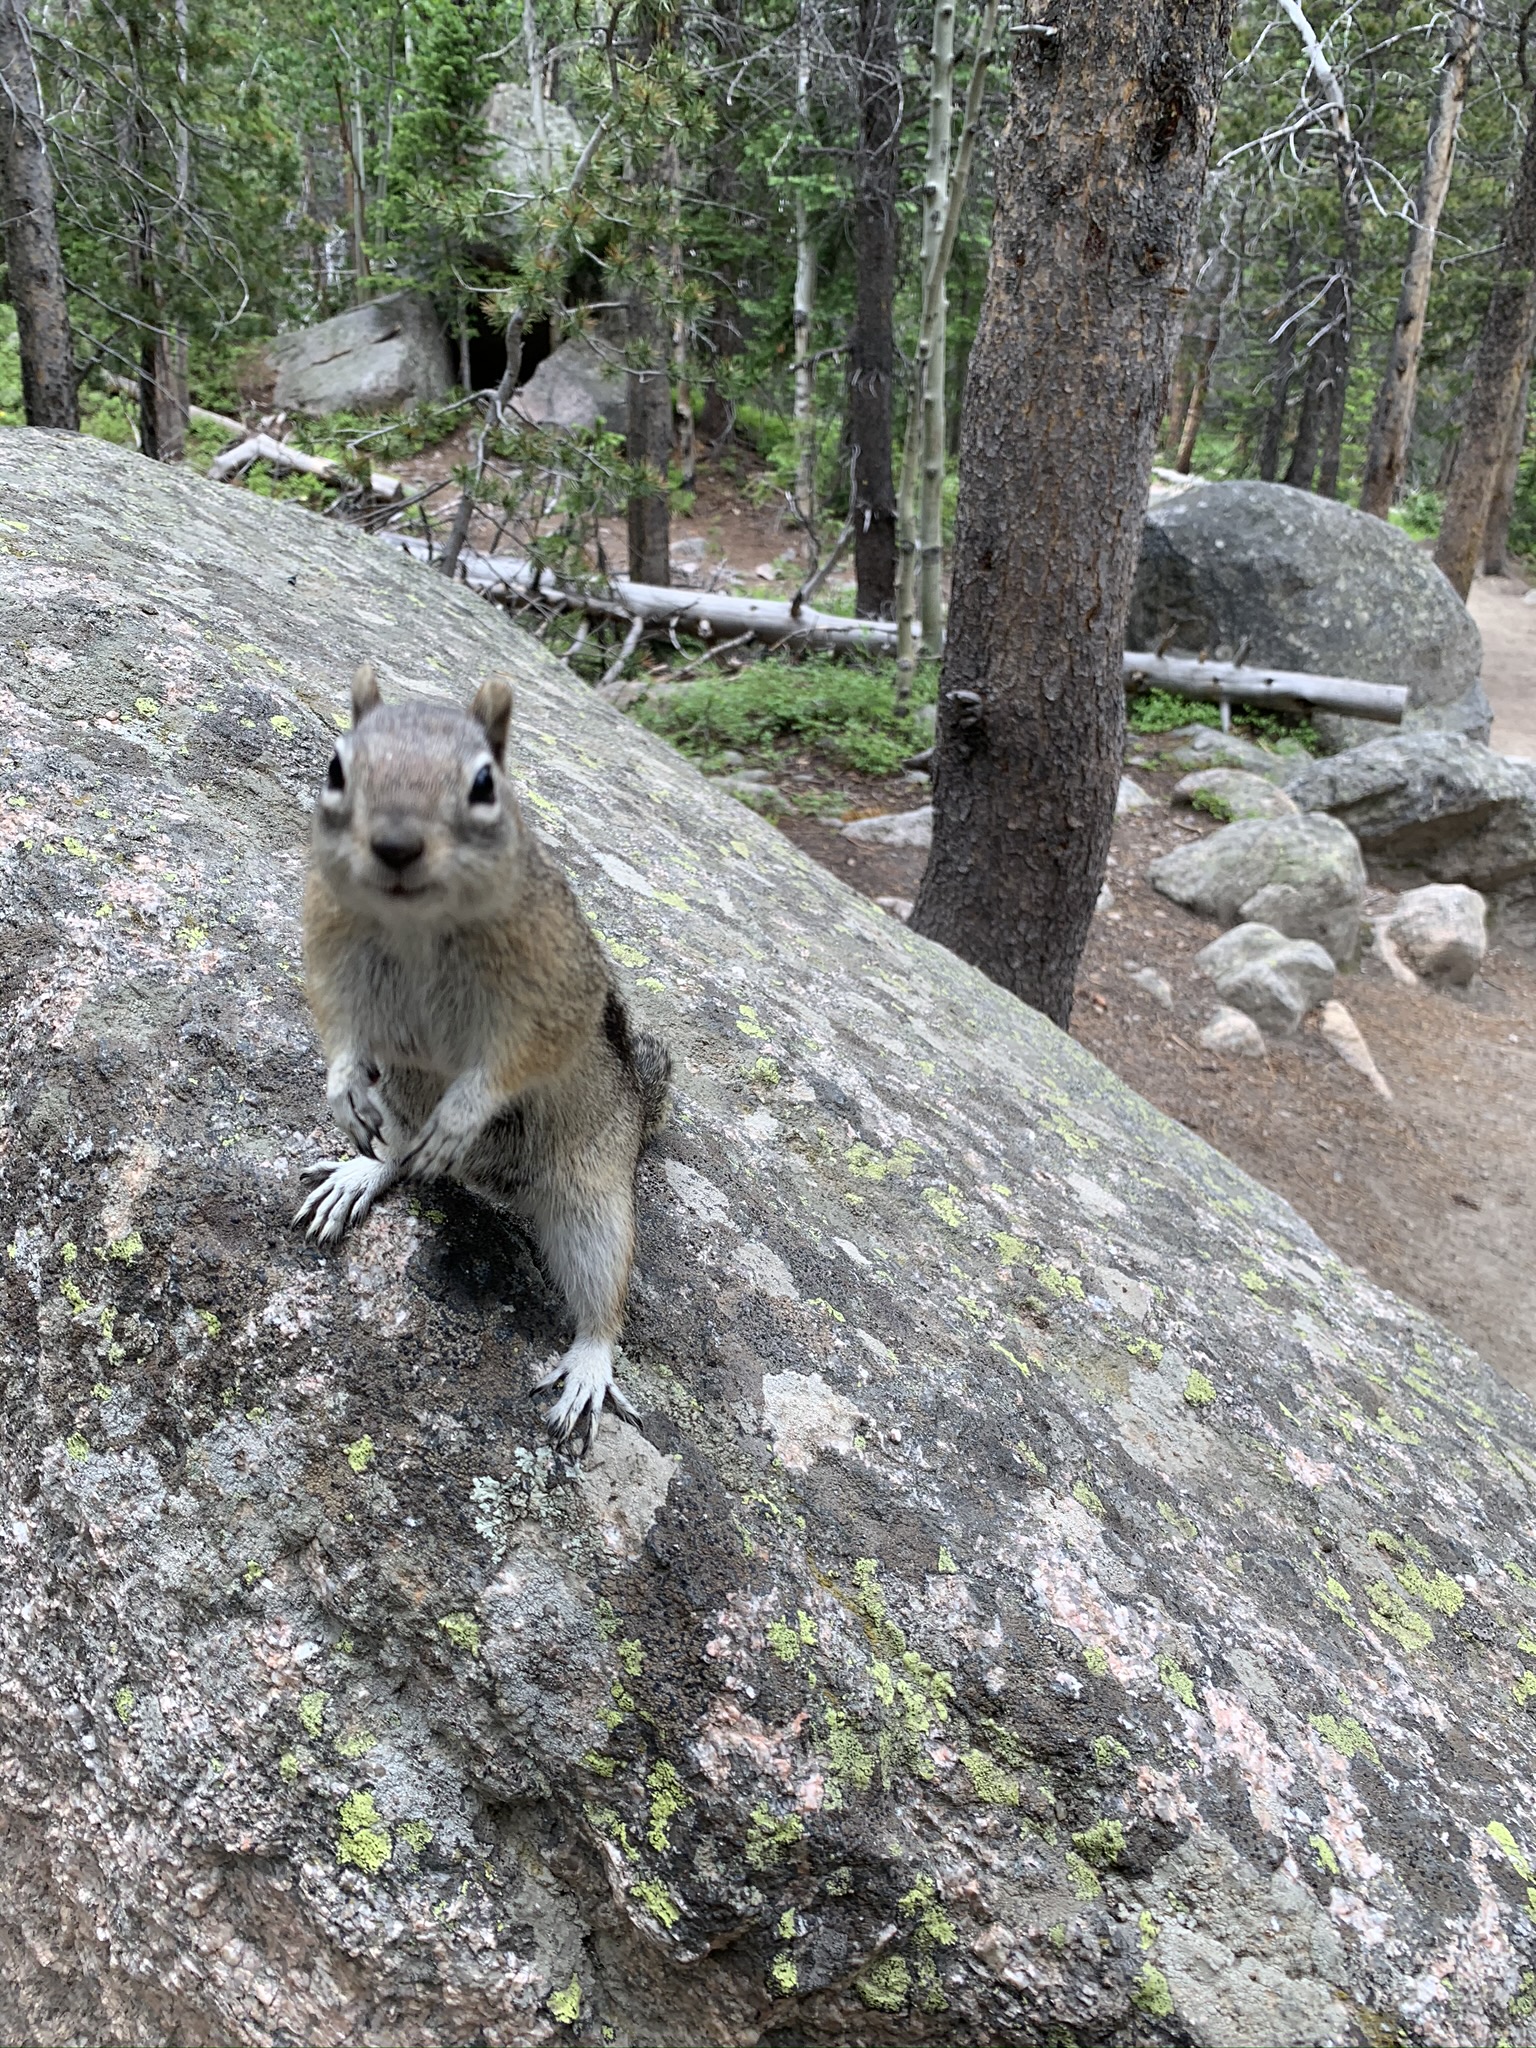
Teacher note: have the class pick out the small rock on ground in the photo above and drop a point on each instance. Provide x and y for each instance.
(1442, 931)
(1203, 746)
(1273, 979)
(1155, 985)
(896, 906)
(1234, 793)
(1343, 1035)
(1302, 875)
(1132, 797)
(1232, 1033)
(893, 828)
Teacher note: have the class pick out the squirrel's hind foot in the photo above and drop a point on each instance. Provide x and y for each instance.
(587, 1370)
(345, 1190)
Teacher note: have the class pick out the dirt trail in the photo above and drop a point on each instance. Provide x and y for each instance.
(1508, 626)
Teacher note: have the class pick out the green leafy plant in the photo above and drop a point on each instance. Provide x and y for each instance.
(844, 710)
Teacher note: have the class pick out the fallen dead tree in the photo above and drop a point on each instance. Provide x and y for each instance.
(263, 448)
(709, 614)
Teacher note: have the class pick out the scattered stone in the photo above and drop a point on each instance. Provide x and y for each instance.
(1233, 1034)
(1156, 987)
(894, 828)
(1443, 931)
(1273, 979)
(693, 547)
(374, 358)
(582, 382)
(896, 906)
(1132, 797)
(1342, 1034)
(1304, 876)
(765, 572)
(751, 786)
(1304, 582)
(1379, 939)
(1431, 800)
(1233, 793)
(1204, 746)
(1105, 900)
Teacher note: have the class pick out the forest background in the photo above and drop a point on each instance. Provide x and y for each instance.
(227, 171)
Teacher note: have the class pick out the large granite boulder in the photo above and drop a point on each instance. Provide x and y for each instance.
(521, 163)
(1301, 875)
(1433, 801)
(1050, 1598)
(1303, 582)
(389, 353)
(582, 382)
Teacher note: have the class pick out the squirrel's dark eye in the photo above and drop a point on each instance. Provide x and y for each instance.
(334, 778)
(483, 789)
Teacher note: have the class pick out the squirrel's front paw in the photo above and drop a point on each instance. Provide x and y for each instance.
(443, 1144)
(349, 1091)
(587, 1370)
(345, 1190)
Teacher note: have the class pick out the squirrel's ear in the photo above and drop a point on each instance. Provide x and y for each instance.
(492, 708)
(365, 692)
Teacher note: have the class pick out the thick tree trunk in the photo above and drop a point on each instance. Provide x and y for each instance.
(1283, 367)
(1386, 462)
(33, 262)
(1502, 354)
(1502, 509)
(1098, 180)
(649, 446)
(871, 353)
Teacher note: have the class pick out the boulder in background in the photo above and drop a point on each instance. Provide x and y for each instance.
(389, 353)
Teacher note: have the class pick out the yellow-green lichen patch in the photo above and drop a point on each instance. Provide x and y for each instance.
(865, 1163)
(657, 1901)
(364, 1841)
(360, 1455)
(1325, 1856)
(747, 1022)
(1083, 1878)
(786, 1640)
(284, 727)
(1523, 1691)
(124, 1249)
(1440, 1592)
(463, 1631)
(122, 1705)
(943, 1204)
(415, 1834)
(667, 1801)
(601, 1766)
(1102, 1845)
(78, 1447)
(1198, 1390)
(1181, 1525)
(769, 1840)
(852, 1763)
(1147, 1929)
(312, 1712)
(1177, 1680)
(632, 1656)
(992, 1786)
(884, 1985)
(288, 1767)
(357, 1744)
(1391, 1613)
(783, 1975)
(1500, 1835)
(566, 2005)
(627, 956)
(1346, 1736)
(946, 1562)
(1109, 1756)
(765, 1072)
(1096, 1657)
(1085, 1497)
(1150, 1993)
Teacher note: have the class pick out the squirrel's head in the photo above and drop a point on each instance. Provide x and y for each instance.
(415, 819)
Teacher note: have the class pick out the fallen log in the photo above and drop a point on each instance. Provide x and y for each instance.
(263, 448)
(710, 612)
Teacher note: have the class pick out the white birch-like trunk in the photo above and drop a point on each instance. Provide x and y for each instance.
(804, 308)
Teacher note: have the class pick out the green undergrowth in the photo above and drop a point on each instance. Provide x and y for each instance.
(1151, 712)
(844, 710)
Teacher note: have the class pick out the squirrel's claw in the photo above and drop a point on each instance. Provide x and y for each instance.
(345, 1190)
(358, 1110)
(587, 1370)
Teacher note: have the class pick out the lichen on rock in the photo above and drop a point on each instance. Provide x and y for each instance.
(970, 1648)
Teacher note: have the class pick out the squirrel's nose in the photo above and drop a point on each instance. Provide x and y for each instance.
(397, 845)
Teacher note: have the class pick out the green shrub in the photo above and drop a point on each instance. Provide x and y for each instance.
(843, 710)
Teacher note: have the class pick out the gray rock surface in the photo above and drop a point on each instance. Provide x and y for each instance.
(1306, 583)
(1233, 1034)
(1239, 793)
(1205, 746)
(1130, 796)
(1304, 876)
(1272, 979)
(1433, 801)
(893, 828)
(1154, 984)
(389, 353)
(1051, 1598)
(518, 164)
(580, 383)
(1441, 931)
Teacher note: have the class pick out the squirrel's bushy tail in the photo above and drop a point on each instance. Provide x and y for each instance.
(653, 1071)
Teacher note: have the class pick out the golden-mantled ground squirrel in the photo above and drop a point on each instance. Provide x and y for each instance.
(471, 1024)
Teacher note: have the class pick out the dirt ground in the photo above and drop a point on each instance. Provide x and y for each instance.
(1429, 1193)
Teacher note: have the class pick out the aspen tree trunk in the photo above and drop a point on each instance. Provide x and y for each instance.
(1178, 397)
(33, 261)
(920, 443)
(1503, 351)
(929, 537)
(871, 353)
(1386, 462)
(1283, 367)
(804, 308)
(1502, 510)
(1207, 341)
(1098, 180)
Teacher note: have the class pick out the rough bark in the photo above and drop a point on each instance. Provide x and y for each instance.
(1502, 354)
(649, 445)
(871, 352)
(34, 264)
(1098, 181)
(1502, 508)
(1302, 466)
(1386, 462)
